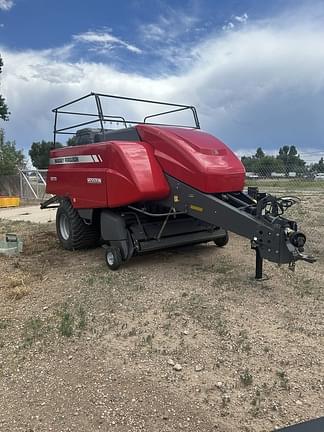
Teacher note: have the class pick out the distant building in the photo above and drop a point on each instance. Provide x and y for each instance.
(275, 174)
(251, 175)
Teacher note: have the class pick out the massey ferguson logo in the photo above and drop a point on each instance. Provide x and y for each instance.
(75, 159)
(94, 180)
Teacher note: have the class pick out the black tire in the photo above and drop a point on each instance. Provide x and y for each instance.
(222, 241)
(71, 230)
(113, 258)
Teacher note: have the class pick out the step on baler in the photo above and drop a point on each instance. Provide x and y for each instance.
(150, 186)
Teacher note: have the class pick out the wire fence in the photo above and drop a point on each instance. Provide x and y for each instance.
(29, 185)
(303, 180)
(305, 184)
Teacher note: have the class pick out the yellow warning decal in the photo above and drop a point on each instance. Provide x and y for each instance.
(196, 208)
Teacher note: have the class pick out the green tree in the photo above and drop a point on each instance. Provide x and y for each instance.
(40, 153)
(10, 158)
(259, 154)
(267, 165)
(318, 167)
(71, 141)
(251, 162)
(248, 162)
(291, 159)
(4, 113)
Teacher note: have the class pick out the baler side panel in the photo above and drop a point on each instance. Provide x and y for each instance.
(196, 158)
(109, 174)
(134, 174)
(79, 172)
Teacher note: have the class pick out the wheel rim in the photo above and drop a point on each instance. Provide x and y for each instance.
(64, 227)
(110, 258)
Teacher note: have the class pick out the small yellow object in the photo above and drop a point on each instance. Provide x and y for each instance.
(176, 198)
(196, 208)
(9, 201)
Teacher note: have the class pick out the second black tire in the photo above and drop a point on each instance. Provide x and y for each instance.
(222, 241)
(113, 257)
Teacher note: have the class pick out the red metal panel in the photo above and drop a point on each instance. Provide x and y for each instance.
(116, 174)
(85, 183)
(134, 174)
(196, 158)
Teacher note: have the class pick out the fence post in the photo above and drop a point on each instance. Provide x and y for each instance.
(21, 185)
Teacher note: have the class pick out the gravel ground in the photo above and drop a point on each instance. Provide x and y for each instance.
(177, 340)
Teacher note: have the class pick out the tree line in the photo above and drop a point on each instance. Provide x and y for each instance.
(286, 161)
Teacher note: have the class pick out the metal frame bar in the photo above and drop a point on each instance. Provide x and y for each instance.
(156, 214)
(163, 113)
(102, 118)
(105, 118)
(270, 234)
(58, 131)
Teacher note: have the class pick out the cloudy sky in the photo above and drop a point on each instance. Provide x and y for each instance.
(254, 69)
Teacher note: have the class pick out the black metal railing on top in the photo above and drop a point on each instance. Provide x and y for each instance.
(101, 118)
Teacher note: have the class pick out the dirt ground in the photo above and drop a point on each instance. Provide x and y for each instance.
(176, 340)
(31, 213)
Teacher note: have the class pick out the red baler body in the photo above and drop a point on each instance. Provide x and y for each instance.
(117, 173)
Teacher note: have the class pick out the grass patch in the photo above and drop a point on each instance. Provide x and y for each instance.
(221, 327)
(72, 320)
(34, 330)
(307, 287)
(243, 341)
(220, 267)
(246, 378)
(66, 324)
(3, 324)
(201, 309)
(283, 379)
(92, 279)
(82, 318)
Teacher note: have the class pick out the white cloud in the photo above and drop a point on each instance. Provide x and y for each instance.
(228, 26)
(168, 27)
(241, 19)
(62, 53)
(171, 37)
(102, 41)
(260, 85)
(6, 4)
(56, 73)
(153, 32)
